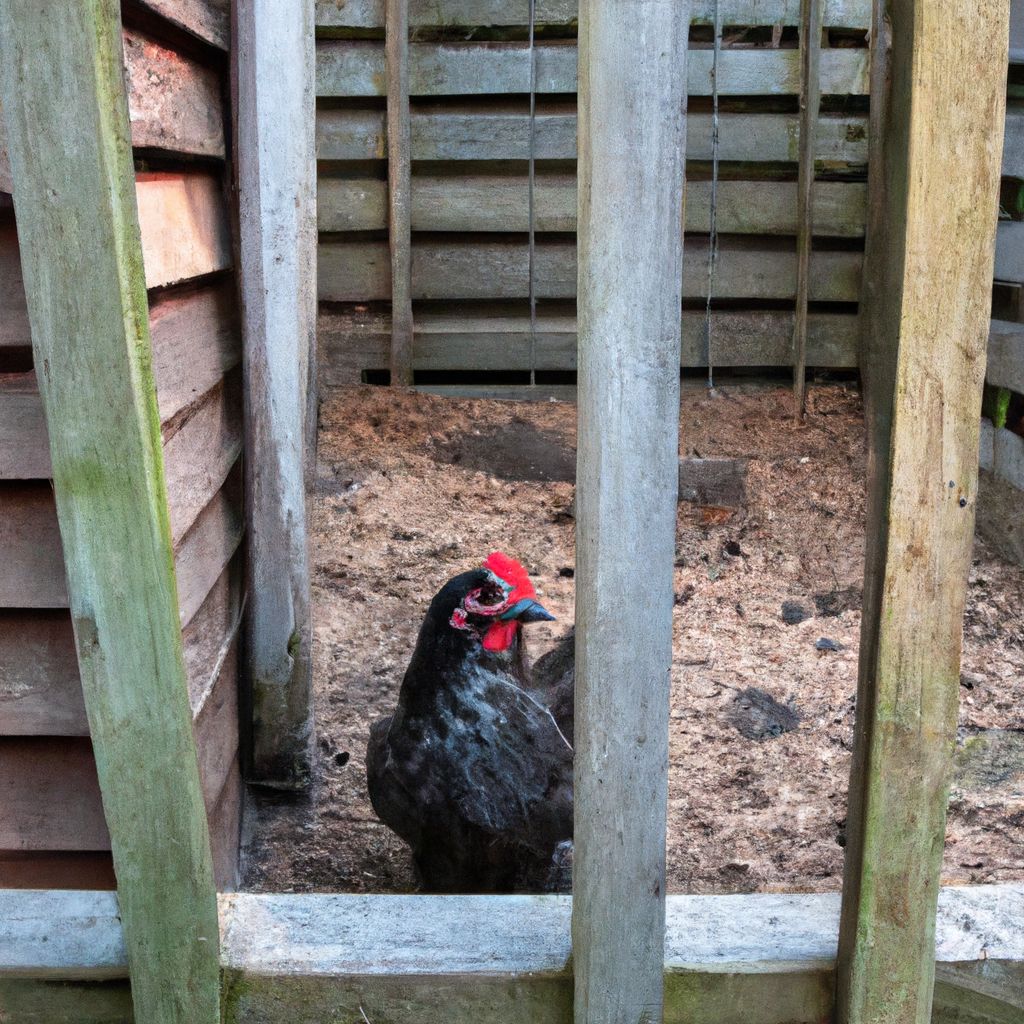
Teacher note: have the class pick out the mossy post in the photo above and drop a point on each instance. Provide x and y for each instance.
(632, 96)
(939, 83)
(66, 109)
(277, 227)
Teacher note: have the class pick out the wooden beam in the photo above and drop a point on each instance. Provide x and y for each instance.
(926, 306)
(82, 259)
(277, 183)
(810, 62)
(208, 20)
(632, 88)
(399, 192)
(356, 68)
(1005, 366)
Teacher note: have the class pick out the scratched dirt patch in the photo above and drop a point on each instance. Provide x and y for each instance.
(395, 515)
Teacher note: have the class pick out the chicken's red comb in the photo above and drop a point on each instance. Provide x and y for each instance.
(512, 573)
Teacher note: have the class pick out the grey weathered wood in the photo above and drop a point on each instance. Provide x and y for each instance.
(351, 343)
(502, 133)
(1013, 145)
(423, 13)
(470, 268)
(1008, 457)
(810, 59)
(209, 20)
(24, 451)
(174, 103)
(632, 88)
(356, 68)
(208, 632)
(1005, 367)
(399, 188)
(277, 180)
(926, 308)
(1010, 251)
(14, 328)
(499, 203)
(82, 258)
(999, 519)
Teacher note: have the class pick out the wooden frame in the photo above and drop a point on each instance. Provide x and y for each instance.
(277, 224)
(88, 312)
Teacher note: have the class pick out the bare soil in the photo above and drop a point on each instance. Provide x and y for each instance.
(413, 489)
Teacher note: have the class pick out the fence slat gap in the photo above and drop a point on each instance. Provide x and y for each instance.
(810, 103)
(631, 104)
(399, 136)
(277, 225)
(81, 254)
(926, 301)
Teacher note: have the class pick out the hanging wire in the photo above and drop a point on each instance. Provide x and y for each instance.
(713, 236)
(530, 202)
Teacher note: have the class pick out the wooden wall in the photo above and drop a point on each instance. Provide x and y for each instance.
(1001, 505)
(470, 75)
(53, 831)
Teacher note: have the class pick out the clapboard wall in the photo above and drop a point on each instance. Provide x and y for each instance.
(469, 85)
(52, 831)
(1001, 509)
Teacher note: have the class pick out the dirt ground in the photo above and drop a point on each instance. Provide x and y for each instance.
(413, 489)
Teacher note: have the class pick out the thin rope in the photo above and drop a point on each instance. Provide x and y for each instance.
(713, 235)
(530, 203)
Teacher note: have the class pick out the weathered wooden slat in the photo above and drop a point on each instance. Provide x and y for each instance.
(1005, 367)
(184, 226)
(6, 183)
(198, 457)
(225, 830)
(1008, 457)
(631, 174)
(82, 258)
(216, 727)
(503, 134)
(43, 869)
(499, 203)
(51, 795)
(277, 182)
(471, 269)
(14, 328)
(503, 13)
(210, 630)
(174, 103)
(24, 449)
(1010, 251)
(999, 518)
(926, 307)
(1013, 144)
(350, 344)
(196, 340)
(356, 68)
(209, 20)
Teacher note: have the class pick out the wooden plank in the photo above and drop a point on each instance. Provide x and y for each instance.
(83, 263)
(51, 795)
(454, 133)
(277, 181)
(356, 68)
(631, 170)
(501, 13)
(174, 103)
(184, 226)
(468, 341)
(14, 328)
(225, 831)
(1013, 144)
(211, 629)
(1008, 457)
(24, 450)
(196, 340)
(499, 203)
(6, 183)
(457, 268)
(42, 869)
(198, 457)
(399, 188)
(926, 308)
(1010, 251)
(216, 727)
(999, 519)
(209, 20)
(810, 104)
(30, 541)
(1005, 367)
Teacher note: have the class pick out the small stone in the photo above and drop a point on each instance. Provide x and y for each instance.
(825, 644)
(794, 612)
(567, 572)
(733, 549)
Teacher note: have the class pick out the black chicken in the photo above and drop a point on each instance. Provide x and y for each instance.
(474, 768)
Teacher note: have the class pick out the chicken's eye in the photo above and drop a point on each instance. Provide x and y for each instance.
(487, 600)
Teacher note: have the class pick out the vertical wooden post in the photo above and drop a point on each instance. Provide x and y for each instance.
(810, 103)
(396, 50)
(74, 186)
(934, 175)
(632, 95)
(277, 223)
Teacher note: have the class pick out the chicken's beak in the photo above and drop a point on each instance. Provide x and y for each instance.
(527, 610)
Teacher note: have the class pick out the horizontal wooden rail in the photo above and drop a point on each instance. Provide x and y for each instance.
(1005, 367)
(502, 13)
(347, 68)
(208, 20)
(766, 959)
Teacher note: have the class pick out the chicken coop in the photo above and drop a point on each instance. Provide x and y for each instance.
(250, 205)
